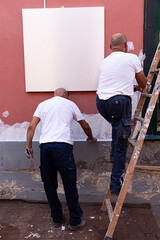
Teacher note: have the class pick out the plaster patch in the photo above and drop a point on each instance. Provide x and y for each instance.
(5, 114)
(9, 188)
(100, 180)
(130, 46)
(152, 181)
(36, 176)
(141, 57)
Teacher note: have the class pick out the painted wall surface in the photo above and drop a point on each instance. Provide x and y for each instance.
(17, 106)
(17, 179)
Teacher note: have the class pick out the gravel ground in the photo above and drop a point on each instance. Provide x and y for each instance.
(23, 220)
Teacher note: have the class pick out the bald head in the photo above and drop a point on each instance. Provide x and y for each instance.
(61, 92)
(119, 42)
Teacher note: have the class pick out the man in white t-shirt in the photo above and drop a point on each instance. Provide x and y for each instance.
(56, 153)
(118, 72)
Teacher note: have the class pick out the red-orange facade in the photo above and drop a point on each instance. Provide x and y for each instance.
(120, 16)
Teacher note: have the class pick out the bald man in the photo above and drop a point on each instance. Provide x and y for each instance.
(118, 72)
(56, 153)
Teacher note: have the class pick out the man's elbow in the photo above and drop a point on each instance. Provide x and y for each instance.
(31, 128)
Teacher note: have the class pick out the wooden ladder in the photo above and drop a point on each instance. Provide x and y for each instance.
(114, 215)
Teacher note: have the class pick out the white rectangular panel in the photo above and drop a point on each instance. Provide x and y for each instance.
(63, 47)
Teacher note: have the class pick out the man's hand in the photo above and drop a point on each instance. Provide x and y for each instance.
(29, 152)
(91, 139)
(138, 88)
(30, 134)
(87, 131)
(148, 87)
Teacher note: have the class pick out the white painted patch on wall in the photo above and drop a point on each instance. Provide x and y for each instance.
(100, 127)
(5, 114)
(141, 57)
(130, 46)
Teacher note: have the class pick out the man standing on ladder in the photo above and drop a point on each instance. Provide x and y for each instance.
(116, 85)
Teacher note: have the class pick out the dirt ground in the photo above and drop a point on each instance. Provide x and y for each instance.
(23, 220)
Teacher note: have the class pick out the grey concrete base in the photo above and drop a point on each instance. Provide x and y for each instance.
(18, 180)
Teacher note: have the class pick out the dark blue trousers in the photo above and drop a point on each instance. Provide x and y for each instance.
(58, 157)
(117, 111)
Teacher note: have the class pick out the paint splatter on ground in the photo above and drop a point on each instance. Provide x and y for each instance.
(22, 220)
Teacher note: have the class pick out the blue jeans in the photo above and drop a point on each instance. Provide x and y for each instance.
(117, 111)
(58, 157)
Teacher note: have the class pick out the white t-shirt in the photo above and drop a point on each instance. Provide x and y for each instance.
(117, 74)
(56, 115)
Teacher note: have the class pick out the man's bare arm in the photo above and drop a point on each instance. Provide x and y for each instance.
(141, 79)
(87, 130)
(30, 134)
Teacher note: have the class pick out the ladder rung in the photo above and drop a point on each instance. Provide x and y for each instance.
(151, 168)
(109, 208)
(155, 70)
(132, 142)
(147, 172)
(148, 167)
(147, 94)
(139, 118)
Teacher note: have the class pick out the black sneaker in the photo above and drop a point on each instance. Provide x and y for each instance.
(81, 224)
(57, 224)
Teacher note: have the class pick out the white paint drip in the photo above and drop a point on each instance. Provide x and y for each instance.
(5, 114)
(63, 228)
(34, 235)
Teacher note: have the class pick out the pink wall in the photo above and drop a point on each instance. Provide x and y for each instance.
(120, 16)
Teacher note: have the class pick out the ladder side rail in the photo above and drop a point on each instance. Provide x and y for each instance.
(154, 64)
(133, 160)
(150, 78)
(109, 208)
(108, 196)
